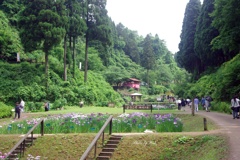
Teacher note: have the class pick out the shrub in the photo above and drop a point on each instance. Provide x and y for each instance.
(5, 111)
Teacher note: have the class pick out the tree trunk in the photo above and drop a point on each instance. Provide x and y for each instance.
(73, 56)
(70, 45)
(148, 77)
(46, 70)
(65, 58)
(86, 59)
(86, 49)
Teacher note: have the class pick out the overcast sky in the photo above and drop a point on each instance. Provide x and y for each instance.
(162, 17)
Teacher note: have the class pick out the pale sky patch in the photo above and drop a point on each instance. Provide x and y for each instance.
(162, 17)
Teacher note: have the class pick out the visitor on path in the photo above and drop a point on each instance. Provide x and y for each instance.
(207, 104)
(22, 104)
(188, 102)
(183, 103)
(208, 100)
(196, 102)
(203, 102)
(235, 107)
(179, 103)
(46, 106)
(17, 110)
(81, 104)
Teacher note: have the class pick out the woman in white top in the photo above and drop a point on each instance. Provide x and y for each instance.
(235, 105)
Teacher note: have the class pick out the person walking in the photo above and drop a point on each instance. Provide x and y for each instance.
(203, 103)
(196, 102)
(235, 107)
(17, 111)
(207, 104)
(22, 104)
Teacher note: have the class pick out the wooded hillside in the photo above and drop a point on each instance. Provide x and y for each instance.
(54, 37)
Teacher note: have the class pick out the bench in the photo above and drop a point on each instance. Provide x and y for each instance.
(137, 107)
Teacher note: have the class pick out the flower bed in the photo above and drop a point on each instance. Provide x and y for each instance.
(80, 123)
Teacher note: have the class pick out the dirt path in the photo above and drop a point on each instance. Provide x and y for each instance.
(228, 126)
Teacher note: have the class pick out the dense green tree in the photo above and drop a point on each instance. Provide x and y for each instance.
(148, 57)
(131, 47)
(10, 43)
(11, 8)
(98, 32)
(76, 26)
(42, 26)
(226, 18)
(204, 34)
(186, 56)
(115, 75)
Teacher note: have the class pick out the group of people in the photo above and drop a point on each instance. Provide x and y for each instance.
(205, 103)
(19, 107)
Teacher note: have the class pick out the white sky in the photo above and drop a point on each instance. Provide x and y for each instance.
(162, 17)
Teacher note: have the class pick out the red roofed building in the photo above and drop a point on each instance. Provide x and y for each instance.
(132, 83)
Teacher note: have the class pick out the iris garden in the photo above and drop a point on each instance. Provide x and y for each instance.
(92, 123)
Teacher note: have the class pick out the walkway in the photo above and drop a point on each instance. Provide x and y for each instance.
(228, 126)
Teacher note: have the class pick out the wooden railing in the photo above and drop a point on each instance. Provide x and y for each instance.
(22, 143)
(94, 142)
(138, 107)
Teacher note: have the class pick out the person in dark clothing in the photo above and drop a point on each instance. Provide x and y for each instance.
(17, 110)
(46, 106)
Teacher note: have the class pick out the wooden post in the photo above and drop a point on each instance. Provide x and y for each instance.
(205, 124)
(110, 127)
(42, 127)
(193, 108)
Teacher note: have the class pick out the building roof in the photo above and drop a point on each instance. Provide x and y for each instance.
(134, 79)
(136, 94)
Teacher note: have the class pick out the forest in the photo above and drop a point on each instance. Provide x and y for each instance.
(71, 50)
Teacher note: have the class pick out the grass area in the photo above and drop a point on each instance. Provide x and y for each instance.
(139, 147)
(171, 147)
(161, 146)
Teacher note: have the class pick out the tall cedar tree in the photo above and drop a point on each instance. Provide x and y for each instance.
(76, 27)
(186, 57)
(227, 20)
(148, 57)
(98, 32)
(11, 8)
(204, 34)
(42, 26)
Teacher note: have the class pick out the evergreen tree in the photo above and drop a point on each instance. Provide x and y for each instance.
(76, 27)
(10, 43)
(98, 32)
(148, 58)
(186, 57)
(226, 18)
(11, 8)
(42, 26)
(204, 34)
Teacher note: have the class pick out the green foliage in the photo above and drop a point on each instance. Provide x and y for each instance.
(9, 39)
(5, 111)
(226, 19)
(34, 106)
(186, 56)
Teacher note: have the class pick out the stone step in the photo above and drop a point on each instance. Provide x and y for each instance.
(115, 138)
(110, 145)
(112, 142)
(105, 154)
(103, 158)
(108, 150)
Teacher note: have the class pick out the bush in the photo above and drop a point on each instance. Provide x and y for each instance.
(5, 111)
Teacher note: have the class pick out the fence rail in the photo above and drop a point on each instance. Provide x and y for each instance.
(22, 141)
(94, 142)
